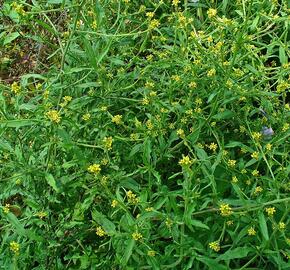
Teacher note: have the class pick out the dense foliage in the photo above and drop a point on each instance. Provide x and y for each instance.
(144, 134)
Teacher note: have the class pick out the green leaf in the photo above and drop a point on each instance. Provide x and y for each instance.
(255, 23)
(5, 146)
(197, 223)
(18, 123)
(51, 181)
(193, 137)
(136, 148)
(27, 107)
(282, 55)
(102, 220)
(90, 53)
(129, 245)
(227, 114)
(211, 263)
(16, 224)
(263, 226)
(239, 252)
(234, 144)
(10, 37)
(210, 98)
(147, 151)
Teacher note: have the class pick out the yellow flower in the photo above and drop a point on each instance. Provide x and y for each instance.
(86, 117)
(258, 189)
(41, 214)
(180, 133)
(175, 3)
(211, 12)
(67, 98)
(150, 14)
(251, 231)
(282, 86)
(145, 101)
(114, 203)
(18, 181)
(104, 180)
(134, 136)
(154, 24)
(243, 129)
(117, 119)
(230, 222)
(15, 88)
(255, 155)
(18, 8)
(192, 85)
(108, 141)
(268, 146)
(100, 232)
(235, 179)
(281, 226)
(132, 198)
(149, 124)
(175, 78)
(198, 101)
(215, 246)
(256, 136)
(225, 209)
(14, 247)
(270, 211)
(285, 127)
(53, 115)
(95, 168)
(149, 209)
(149, 84)
(213, 146)
(6, 208)
(168, 223)
(94, 25)
(137, 236)
(104, 161)
(151, 253)
(211, 72)
(185, 161)
(243, 171)
(232, 162)
(255, 173)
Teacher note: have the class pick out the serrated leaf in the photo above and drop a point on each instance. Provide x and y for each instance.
(51, 181)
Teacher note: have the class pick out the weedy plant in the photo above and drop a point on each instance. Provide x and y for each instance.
(144, 134)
